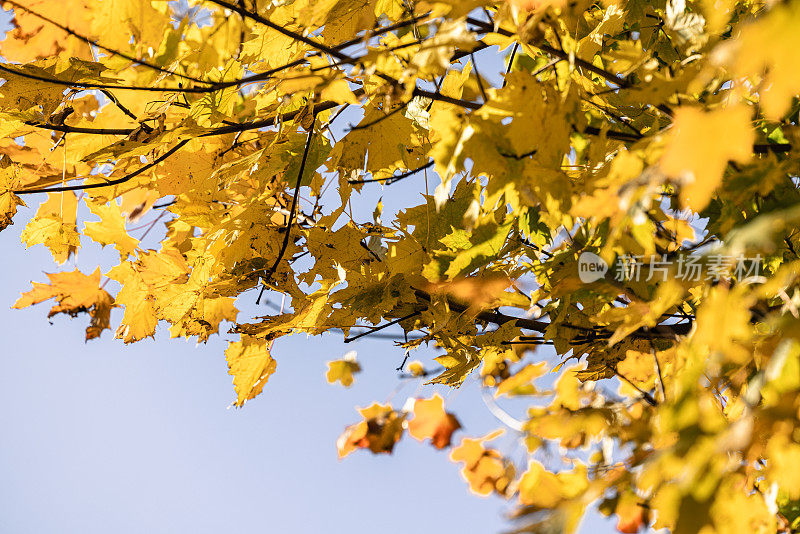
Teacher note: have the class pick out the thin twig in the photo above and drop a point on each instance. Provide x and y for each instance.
(121, 180)
(613, 78)
(374, 329)
(119, 105)
(380, 119)
(478, 77)
(510, 61)
(392, 179)
(658, 372)
(645, 395)
(93, 85)
(283, 31)
(290, 218)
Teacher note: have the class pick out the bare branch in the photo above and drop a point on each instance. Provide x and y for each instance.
(374, 329)
(392, 179)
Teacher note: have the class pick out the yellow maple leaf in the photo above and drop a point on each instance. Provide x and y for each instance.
(54, 226)
(388, 140)
(521, 382)
(33, 38)
(737, 511)
(701, 144)
(115, 22)
(149, 287)
(24, 94)
(139, 320)
(346, 17)
(204, 319)
(540, 488)
(111, 228)
(8, 200)
(770, 45)
(485, 469)
(186, 170)
(76, 293)
(251, 365)
(380, 430)
(785, 457)
(343, 370)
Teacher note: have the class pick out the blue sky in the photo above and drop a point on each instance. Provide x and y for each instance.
(101, 437)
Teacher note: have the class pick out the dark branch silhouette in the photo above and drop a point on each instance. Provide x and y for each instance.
(292, 210)
(613, 78)
(96, 44)
(374, 329)
(117, 181)
(284, 31)
(392, 179)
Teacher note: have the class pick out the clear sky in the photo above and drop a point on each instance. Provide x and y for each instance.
(101, 437)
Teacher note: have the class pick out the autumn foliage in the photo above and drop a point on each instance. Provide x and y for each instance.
(607, 226)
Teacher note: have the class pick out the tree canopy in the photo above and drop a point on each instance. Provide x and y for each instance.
(625, 192)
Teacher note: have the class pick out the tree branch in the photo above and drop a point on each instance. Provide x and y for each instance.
(121, 180)
(374, 329)
(392, 179)
(280, 29)
(222, 130)
(290, 218)
(662, 331)
(112, 51)
(613, 78)
(93, 85)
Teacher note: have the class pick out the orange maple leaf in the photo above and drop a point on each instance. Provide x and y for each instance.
(432, 422)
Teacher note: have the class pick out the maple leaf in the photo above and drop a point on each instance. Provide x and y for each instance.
(76, 293)
(520, 383)
(132, 20)
(343, 370)
(540, 488)
(54, 226)
(111, 228)
(389, 141)
(432, 422)
(139, 320)
(33, 38)
(20, 93)
(485, 470)
(781, 82)
(250, 363)
(694, 155)
(8, 200)
(380, 430)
